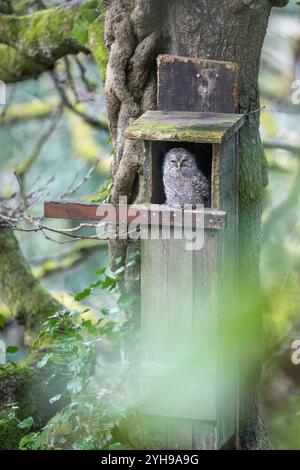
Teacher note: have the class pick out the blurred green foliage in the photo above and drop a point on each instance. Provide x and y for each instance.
(280, 264)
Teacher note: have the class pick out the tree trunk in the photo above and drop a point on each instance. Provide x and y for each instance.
(229, 30)
(31, 389)
(28, 302)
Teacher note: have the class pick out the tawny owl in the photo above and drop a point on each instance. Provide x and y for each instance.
(184, 182)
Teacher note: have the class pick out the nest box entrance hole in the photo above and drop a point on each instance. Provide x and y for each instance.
(157, 152)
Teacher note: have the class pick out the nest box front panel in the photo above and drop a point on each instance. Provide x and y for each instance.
(187, 296)
(154, 155)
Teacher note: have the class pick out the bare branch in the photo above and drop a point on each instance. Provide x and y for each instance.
(75, 187)
(33, 43)
(26, 111)
(278, 144)
(63, 262)
(96, 123)
(26, 164)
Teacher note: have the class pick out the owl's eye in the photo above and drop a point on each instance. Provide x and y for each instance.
(173, 161)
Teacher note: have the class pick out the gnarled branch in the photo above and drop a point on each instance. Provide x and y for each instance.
(33, 43)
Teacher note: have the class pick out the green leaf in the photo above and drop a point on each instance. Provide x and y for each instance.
(80, 33)
(82, 295)
(86, 292)
(120, 270)
(75, 385)
(101, 271)
(114, 446)
(80, 30)
(68, 347)
(109, 283)
(44, 360)
(88, 324)
(30, 441)
(2, 321)
(125, 300)
(96, 284)
(55, 398)
(105, 311)
(26, 423)
(12, 349)
(84, 443)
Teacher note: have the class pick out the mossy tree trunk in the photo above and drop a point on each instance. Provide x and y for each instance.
(29, 304)
(31, 389)
(229, 30)
(26, 299)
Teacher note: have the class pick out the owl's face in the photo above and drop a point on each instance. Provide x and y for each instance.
(179, 161)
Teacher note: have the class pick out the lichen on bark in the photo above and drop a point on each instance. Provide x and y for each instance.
(33, 43)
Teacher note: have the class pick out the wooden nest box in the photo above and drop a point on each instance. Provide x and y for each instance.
(211, 137)
(188, 377)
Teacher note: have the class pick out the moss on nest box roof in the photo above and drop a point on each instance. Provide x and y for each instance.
(179, 126)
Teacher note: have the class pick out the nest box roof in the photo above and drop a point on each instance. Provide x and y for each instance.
(179, 126)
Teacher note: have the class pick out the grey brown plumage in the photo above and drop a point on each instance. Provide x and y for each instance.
(184, 182)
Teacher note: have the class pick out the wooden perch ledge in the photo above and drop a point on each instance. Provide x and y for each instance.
(154, 215)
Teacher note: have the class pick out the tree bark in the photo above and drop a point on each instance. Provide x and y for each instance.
(136, 31)
(30, 388)
(25, 384)
(31, 44)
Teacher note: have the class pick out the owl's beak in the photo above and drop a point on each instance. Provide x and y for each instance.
(178, 165)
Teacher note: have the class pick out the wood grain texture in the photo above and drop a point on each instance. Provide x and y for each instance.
(189, 84)
(178, 329)
(159, 216)
(185, 127)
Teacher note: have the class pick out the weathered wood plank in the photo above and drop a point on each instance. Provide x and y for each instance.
(225, 196)
(159, 216)
(190, 84)
(185, 127)
(176, 307)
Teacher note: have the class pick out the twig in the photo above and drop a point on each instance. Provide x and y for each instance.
(72, 189)
(255, 111)
(88, 119)
(25, 165)
(279, 145)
